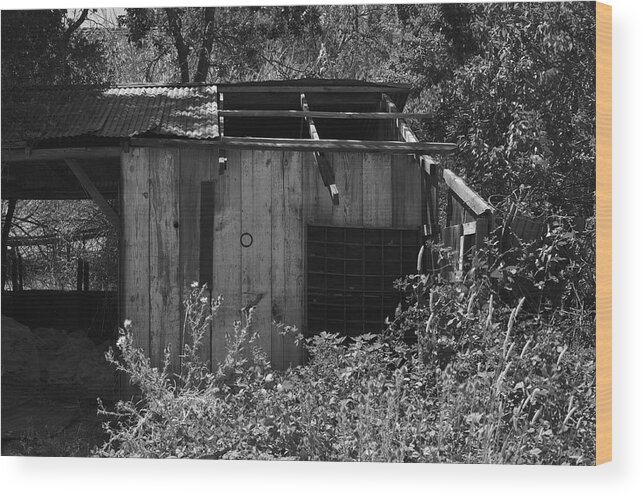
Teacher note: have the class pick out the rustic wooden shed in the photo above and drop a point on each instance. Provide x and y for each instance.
(304, 199)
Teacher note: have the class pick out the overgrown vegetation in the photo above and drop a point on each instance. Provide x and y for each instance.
(471, 371)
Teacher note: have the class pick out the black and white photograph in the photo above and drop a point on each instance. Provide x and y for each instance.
(338, 233)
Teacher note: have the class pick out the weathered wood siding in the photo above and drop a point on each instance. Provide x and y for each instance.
(270, 195)
(375, 190)
(161, 239)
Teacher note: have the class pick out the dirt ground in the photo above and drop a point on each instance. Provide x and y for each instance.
(51, 428)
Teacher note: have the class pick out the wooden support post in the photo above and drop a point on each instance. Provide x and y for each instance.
(80, 267)
(429, 169)
(14, 269)
(461, 251)
(21, 272)
(85, 275)
(483, 226)
(94, 193)
(323, 164)
(223, 158)
(405, 132)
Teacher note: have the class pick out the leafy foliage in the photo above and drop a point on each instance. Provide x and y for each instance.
(520, 104)
(48, 47)
(466, 373)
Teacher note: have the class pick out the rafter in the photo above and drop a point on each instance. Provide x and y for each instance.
(26, 155)
(93, 192)
(323, 164)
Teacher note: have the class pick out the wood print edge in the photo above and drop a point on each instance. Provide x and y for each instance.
(603, 233)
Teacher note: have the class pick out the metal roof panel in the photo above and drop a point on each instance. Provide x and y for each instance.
(116, 112)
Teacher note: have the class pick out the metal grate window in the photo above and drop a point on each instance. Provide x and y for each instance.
(351, 273)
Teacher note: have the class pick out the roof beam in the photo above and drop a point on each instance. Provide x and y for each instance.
(323, 164)
(310, 89)
(94, 193)
(301, 144)
(321, 114)
(24, 155)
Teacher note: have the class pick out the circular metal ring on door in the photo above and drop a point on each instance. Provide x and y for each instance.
(246, 239)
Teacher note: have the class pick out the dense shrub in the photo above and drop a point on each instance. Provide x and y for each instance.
(484, 378)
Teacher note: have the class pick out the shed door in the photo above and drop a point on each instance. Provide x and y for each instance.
(258, 240)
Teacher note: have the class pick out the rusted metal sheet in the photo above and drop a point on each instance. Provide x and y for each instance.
(109, 112)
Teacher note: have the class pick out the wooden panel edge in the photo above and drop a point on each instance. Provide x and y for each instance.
(603, 233)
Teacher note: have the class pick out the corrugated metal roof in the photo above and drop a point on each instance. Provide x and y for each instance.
(115, 112)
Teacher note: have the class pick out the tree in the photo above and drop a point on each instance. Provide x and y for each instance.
(49, 47)
(520, 105)
(220, 42)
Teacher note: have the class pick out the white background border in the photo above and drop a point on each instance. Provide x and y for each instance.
(624, 476)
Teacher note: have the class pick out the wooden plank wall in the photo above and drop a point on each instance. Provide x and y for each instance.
(272, 195)
(377, 190)
(161, 239)
(275, 194)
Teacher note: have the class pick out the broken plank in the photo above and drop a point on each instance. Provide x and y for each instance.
(323, 164)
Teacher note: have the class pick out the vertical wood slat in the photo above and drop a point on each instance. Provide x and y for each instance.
(432, 193)
(449, 213)
(226, 253)
(196, 167)
(135, 244)
(458, 213)
(406, 192)
(206, 233)
(165, 294)
(293, 253)
(278, 257)
(256, 259)
(310, 196)
(377, 190)
(310, 193)
(482, 231)
(349, 180)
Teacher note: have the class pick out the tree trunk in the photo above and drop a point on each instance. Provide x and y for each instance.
(203, 64)
(6, 227)
(174, 21)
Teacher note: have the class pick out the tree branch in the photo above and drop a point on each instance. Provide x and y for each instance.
(76, 24)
